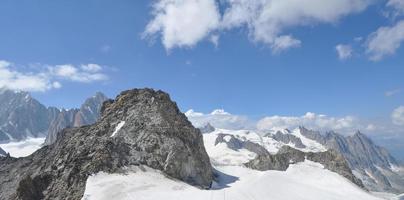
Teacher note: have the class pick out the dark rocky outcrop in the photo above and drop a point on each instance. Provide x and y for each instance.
(287, 138)
(88, 113)
(208, 128)
(236, 144)
(330, 159)
(372, 163)
(154, 133)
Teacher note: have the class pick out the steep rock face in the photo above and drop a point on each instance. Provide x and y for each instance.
(140, 127)
(287, 138)
(331, 160)
(208, 128)
(88, 113)
(371, 163)
(21, 116)
(90, 110)
(237, 144)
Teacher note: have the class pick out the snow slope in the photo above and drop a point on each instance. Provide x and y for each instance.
(304, 181)
(23, 148)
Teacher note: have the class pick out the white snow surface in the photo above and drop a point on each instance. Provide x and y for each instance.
(23, 148)
(311, 145)
(118, 128)
(303, 181)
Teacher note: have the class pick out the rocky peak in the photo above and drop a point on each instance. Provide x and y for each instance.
(208, 128)
(21, 116)
(88, 113)
(139, 127)
(368, 160)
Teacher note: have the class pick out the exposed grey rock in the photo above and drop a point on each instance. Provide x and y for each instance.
(21, 116)
(364, 158)
(237, 144)
(88, 113)
(154, 133)
(287, 138)
(208, 128)
(330, 159)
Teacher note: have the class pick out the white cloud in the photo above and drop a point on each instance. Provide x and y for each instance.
(267, 19)
(344, 51)
(345, 125)
(183, 23)
(392, 92)
(284, 42)
(398, 116)
(219, 119)
(86, 73)
(14, 80)
(91, 67)
(215, 39)
(385, 41)
(48, 78)
(397, 5)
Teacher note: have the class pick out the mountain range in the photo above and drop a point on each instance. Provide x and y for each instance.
(143, 134)
(22, 116)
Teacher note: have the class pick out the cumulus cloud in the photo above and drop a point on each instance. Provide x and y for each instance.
(385, 41)
(86, 73)
(47, 78)
(344, 51)
(397, 5)
(398, 116)
(344, 125)
(219, 119)
(184, 23)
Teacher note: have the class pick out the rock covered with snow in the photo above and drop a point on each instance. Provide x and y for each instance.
(286, 156)
(287, 139)
(374, 165)
(155, 134)
(208, 128)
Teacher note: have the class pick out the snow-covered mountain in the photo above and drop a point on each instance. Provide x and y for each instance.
(374, 165)
(21, 116)
(229, 150)
(144, 148)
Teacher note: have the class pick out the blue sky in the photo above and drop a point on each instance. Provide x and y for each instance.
(248, 72)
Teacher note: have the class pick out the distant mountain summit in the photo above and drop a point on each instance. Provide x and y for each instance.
(88, 113)
(140, 127)
(22, 116)
(374, 165)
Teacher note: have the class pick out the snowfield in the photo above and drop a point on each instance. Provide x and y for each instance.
(23, 148)
(303, 181)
